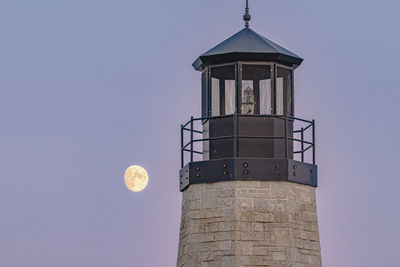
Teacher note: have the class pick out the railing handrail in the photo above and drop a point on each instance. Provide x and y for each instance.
(311, 144)
(250, 115)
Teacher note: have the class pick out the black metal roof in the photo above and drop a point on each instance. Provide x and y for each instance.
(247, 45)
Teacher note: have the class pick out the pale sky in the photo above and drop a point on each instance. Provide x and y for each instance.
(88, 88)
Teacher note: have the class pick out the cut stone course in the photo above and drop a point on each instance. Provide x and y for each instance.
(249, 223)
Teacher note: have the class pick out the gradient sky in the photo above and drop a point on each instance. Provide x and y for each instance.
(89, 87)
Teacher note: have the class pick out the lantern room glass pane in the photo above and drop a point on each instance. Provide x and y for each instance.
(284, 88)
(248, 100)
(265, 96)
(223, 90)
(230, 94)
(255, 89)
(215, 95)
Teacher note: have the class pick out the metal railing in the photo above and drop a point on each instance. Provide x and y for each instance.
(195, 127)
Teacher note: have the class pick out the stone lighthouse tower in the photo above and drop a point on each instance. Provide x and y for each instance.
(248, 173)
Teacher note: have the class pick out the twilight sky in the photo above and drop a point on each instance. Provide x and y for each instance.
(89, 87)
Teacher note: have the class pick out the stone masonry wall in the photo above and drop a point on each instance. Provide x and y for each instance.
(249, 223)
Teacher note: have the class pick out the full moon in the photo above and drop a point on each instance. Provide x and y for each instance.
(136, 178)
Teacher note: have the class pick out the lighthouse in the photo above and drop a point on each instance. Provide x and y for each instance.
(248, 165)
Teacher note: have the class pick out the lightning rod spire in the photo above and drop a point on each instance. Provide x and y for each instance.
(247, 16)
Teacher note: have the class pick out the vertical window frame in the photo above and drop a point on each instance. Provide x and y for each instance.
(285, 94)
(204, 94)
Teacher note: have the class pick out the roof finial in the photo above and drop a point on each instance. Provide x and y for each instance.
(247, 16)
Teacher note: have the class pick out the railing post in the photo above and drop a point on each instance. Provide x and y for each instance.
(302, 144)
(182, 153)
(191, 139)
(313, 140)
(286, 137)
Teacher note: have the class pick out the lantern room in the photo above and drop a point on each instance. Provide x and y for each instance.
(247, 129)
(247, 74)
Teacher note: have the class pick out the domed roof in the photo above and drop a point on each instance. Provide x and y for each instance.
(247, 45)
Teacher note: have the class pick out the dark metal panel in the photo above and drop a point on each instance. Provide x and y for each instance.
(211, 171)
(222, 148)
(279, 145)
(251, 136)
(261, 169)
(256, 148)
(220, 127)
(248, 169)
(273, 147)
(256, 126)
(184, 177)
(302, 172)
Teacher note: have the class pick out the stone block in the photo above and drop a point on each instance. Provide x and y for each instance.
(300, 234)
(257, 227)
(248, 184)
(250, 236)
(279, 190)
(209, 199)
(244, 248)
(244, 204)
(282, 237)
(242, 226)
(260, 251)
(304, 194)
(198, 238)
(224, 236)
(224, 193)
(225, 202)
(262, 205)
(225, 245)
(244, 260)
(293, 254)
(265, 184)
(228, 261)
(279, 256)
(256, 260)
(225, 226)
